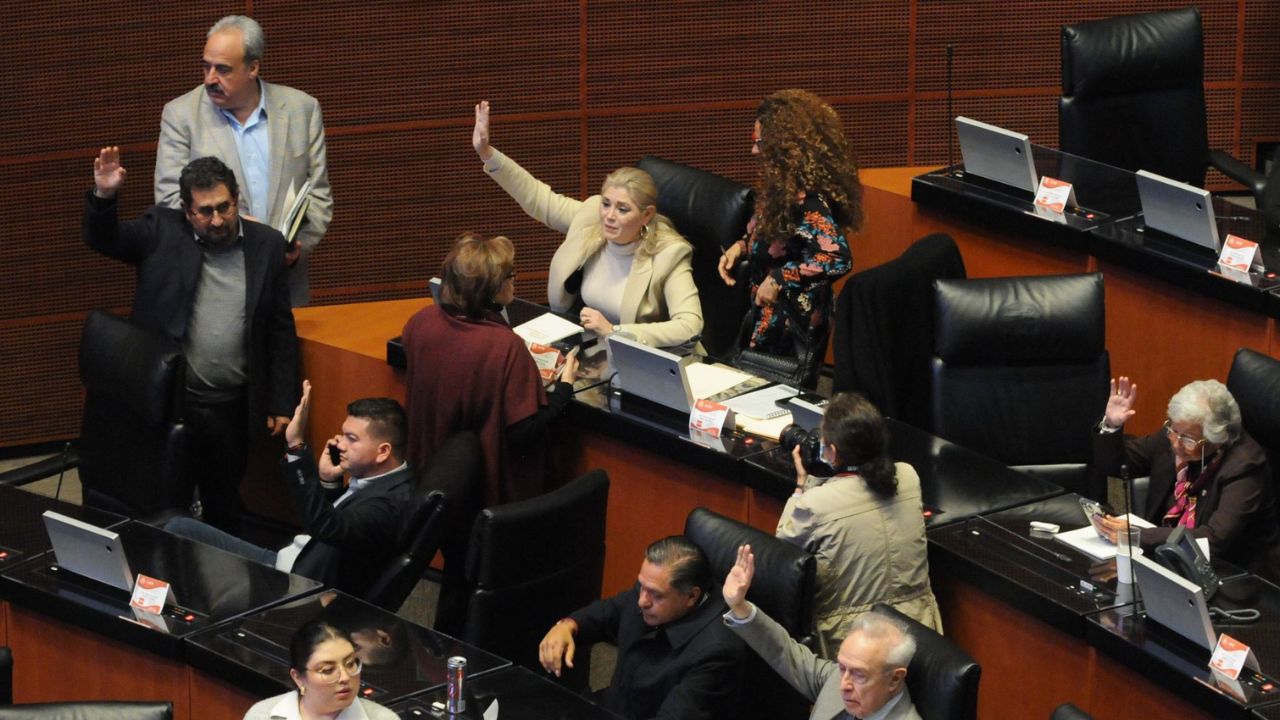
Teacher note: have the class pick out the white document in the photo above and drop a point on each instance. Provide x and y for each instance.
(762, 404)
(546, 329)
(706, 379)
(1088, 541)
(769, 429)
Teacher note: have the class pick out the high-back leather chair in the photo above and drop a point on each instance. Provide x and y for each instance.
(454, 467)
(783, 588)
(533, 562)
(1067, 711)
(711, 212)
(942, 678)
(1133, 95)
(132, 440)
(1021, 370)
(99, 710)
(1254, 381)
(884, 329)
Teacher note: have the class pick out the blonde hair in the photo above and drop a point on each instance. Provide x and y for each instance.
(656, 235)
(474, 271)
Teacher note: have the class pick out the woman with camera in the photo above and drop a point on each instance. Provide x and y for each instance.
(865, 524)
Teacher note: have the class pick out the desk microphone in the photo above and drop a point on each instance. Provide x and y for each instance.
(66, 450)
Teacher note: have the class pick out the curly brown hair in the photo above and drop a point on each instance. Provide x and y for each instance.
(803, 150)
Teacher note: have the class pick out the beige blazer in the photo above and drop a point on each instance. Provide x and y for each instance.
(660, 304)
(192, 127)
(869, 550)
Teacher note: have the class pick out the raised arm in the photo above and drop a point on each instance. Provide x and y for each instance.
(535, 197)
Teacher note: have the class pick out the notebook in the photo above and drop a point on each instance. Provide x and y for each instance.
(997, 154)
(88, 550)
(1181, 210)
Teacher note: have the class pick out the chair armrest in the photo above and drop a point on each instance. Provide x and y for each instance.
(1254, 181)
(40, 470)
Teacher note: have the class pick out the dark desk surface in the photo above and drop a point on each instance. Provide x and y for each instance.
(212, 584)
(401, 658)
(956, 483)
(520, 693)
(22, 531)
(1034, 572)
(1127, 635)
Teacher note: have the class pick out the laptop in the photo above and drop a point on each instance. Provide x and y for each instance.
(1177, 209)
(651, 373)
(1174, 602)
(997, 154)
(88, 550)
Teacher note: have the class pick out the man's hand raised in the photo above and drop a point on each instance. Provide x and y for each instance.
(108, 173)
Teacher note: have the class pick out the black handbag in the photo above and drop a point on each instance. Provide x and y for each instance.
(798, 370)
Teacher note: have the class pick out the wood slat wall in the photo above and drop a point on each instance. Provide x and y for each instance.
(578, 87)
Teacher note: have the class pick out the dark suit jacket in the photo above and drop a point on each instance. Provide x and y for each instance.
(161, 245)
(686, 670)
(350, 544)
(1236, 510)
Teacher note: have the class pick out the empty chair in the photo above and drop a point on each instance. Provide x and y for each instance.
(1133, 95)
(711, 212)
(1254, 381)
(1021, 370)
(942, 678)
(533, 562)
(131, 451)
(883, 336)
(454, 469)
(103, 710)
(783, 588)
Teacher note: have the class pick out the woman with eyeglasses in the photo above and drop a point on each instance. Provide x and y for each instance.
(808, 201)
(622, 267)
(865, 525)
(1206, 474)
(326, 671)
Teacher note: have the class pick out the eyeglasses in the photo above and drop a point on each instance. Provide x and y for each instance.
(1186, 442)
(329, 673)
(511, 275)
(207, 211)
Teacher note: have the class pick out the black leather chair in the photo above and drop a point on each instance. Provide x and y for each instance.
(6, 676)
(132, 440)
(1021, 371)
(1067, 711)
(533, 562)
(1133, 95)
(783, 589)
(105, 710)
(454, 468)
(711, 212)
(884, 329)
(1254, 381)
(942, 678)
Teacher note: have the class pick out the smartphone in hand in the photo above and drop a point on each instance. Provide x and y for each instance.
(334, 455)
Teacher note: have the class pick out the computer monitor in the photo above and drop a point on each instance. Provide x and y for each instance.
(1175, 602)
(88, 550)
(1178, 209)
(651, 373)
(997, 154)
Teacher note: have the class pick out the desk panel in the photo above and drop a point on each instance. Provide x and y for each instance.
(217, 699)
(513, 693)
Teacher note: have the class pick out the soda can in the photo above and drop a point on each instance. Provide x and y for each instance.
(455, 671)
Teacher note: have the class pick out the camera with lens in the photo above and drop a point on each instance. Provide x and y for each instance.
(810, 444)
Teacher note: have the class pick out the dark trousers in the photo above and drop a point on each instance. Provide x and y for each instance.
(217, 455)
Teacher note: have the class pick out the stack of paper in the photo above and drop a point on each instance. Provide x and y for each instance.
(546, 329)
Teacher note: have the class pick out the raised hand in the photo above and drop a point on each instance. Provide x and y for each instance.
(296, 432)
(108, 173)
(738, 582)
(480, 134)
(1120, 402)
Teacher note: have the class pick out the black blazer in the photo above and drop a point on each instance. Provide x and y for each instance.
(161, 245)
(352, 543)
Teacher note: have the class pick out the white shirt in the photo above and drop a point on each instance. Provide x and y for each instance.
(285, 707)
(604, 279)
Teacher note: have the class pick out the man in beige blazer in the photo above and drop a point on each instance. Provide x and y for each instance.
(271, 136)
(868, 683)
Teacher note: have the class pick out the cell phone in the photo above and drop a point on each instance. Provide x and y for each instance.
(1093, 508)
(335, 456)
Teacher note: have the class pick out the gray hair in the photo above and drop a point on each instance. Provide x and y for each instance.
(1209, 404)
(255, 43)
(878, 625)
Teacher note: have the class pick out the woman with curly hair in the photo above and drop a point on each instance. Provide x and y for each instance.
(808, 198)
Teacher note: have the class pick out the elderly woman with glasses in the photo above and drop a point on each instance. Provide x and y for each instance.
(326, 671)
(1207, 474)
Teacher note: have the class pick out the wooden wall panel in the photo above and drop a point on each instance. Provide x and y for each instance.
(579, 87)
